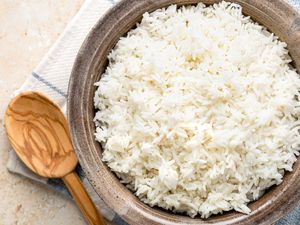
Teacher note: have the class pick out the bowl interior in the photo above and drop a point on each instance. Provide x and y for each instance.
(91, 62)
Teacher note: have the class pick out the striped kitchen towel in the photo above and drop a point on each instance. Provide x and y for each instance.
(51, 77)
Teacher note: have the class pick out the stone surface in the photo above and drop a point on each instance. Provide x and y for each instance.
(27, 31)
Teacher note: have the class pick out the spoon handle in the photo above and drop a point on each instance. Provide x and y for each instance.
(82, 199)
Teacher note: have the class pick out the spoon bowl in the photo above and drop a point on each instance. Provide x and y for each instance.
(39, 133)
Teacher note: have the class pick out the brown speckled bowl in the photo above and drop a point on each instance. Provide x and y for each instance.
(91, 61)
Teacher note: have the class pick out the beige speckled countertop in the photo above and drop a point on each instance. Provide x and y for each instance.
(27, 30)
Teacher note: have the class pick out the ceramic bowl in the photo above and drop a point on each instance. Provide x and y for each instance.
(91, 61)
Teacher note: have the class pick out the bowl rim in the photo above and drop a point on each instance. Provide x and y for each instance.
(126, 205)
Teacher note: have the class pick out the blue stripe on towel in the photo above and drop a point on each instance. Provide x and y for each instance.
(48, 84)
(118, 220)
(293, 218)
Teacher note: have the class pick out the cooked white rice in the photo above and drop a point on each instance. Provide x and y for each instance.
(197, 109)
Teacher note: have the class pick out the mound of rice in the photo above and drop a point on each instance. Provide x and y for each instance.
(197, 110)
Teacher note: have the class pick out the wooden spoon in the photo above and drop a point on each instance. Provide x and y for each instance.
(38, 131)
